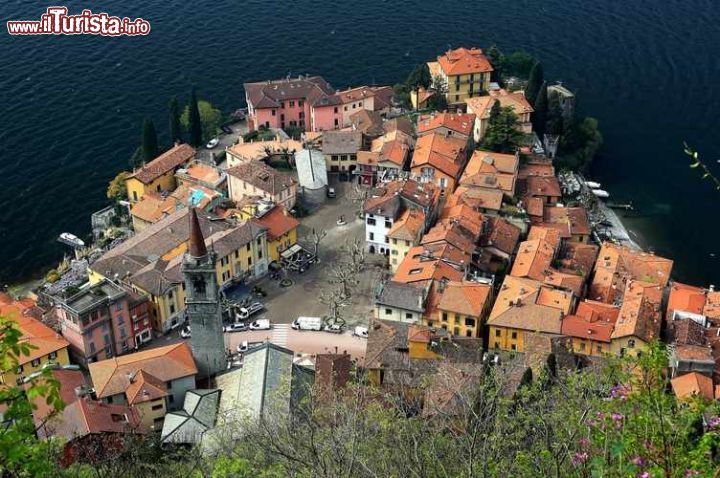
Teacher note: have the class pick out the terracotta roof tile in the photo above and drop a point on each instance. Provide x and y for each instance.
(34, 332)
(166, 162)
(460, 123)
(464, 61)
(640, 314)
(686, 298)
(467, 298)
(110, 377)
(278, 222)
(262, 177)
(533, 259)
(691, 385)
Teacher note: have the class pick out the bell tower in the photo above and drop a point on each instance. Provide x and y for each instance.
(202, 303)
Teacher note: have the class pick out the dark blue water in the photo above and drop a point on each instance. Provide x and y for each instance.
(72, 106)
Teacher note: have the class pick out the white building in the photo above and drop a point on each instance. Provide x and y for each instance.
(380, 214)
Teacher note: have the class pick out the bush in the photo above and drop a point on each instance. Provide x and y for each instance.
(52, 276)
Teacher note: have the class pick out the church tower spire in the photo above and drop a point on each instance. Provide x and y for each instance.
(202, 302)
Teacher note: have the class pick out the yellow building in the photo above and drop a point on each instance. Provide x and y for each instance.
(159, 174)
(466, 72)
(48, 345)
(281, 226)
(639, 320)
(591, 327)
(149, 263)
(405, 234)
(148, 395)
(462, 308)
(525, 305)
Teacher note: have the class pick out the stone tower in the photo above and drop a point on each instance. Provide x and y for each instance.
(203, 303)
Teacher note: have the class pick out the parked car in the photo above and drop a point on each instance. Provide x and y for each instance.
(307, 323)
(361, 332)
(212, 143)
(243, 347)
(185, 332)
(331, 192)
(261, 324)
(251, 309)
(334, 328)
(236, 327)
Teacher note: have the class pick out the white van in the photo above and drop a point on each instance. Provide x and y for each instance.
(307, 323)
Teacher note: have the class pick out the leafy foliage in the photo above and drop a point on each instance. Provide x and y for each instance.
(579, 144)
(502, 135)
(210, 120)
(539, 116)
(22, 454)
(116, 189)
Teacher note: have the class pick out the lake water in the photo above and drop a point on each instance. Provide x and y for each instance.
(72, 107)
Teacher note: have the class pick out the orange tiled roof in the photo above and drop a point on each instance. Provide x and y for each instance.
(166, 162)
(33, 331)
(153, 207)
(408, 226)
(542, 186)
(464, 61)
(712, 306)
(478, 197)
(257, 150)
(617, 264)
(502, 235)
(526, 304)
(686, 298)
(278, 222)
(592, 320)
(534, 257)
(547, 234)
(450, 232)
(578, 258)
(536, 168)
(640, 312)
(464, 215)
(491, 170)
(480, 105)
(110, 377)
(565, 280)
(144, 388)
(460, 123)
(438, 261)
(574, 217)
(467, 298)
(446, 154)
(580, 327)
(693, 384)
(515, 100)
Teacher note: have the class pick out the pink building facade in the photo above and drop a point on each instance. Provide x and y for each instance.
(102, 322)
(309, 103)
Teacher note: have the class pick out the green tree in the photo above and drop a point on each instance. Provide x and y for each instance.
(116, 189)
(535, 82)
(174, 119)
(192, 120)
(502, 135)
(438, 101)
(419, 77)
(540, 115)
(22, 454)
(149, 144)
(555, 116)
(210, 120)
(401, 95)
(497, 60)
(579, 144)
(518, 64)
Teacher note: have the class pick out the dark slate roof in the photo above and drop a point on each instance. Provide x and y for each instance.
(341, 142)
(197, 416)
(402, 296)
(269, 94)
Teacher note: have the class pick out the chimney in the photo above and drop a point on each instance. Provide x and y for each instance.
(197, 241)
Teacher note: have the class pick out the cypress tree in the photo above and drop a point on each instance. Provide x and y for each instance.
(149, 143)
(194, 122)
(539, 116)
(534, 82)
(551, 364)
(496, 60)
(527, 378)
(175, 128)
